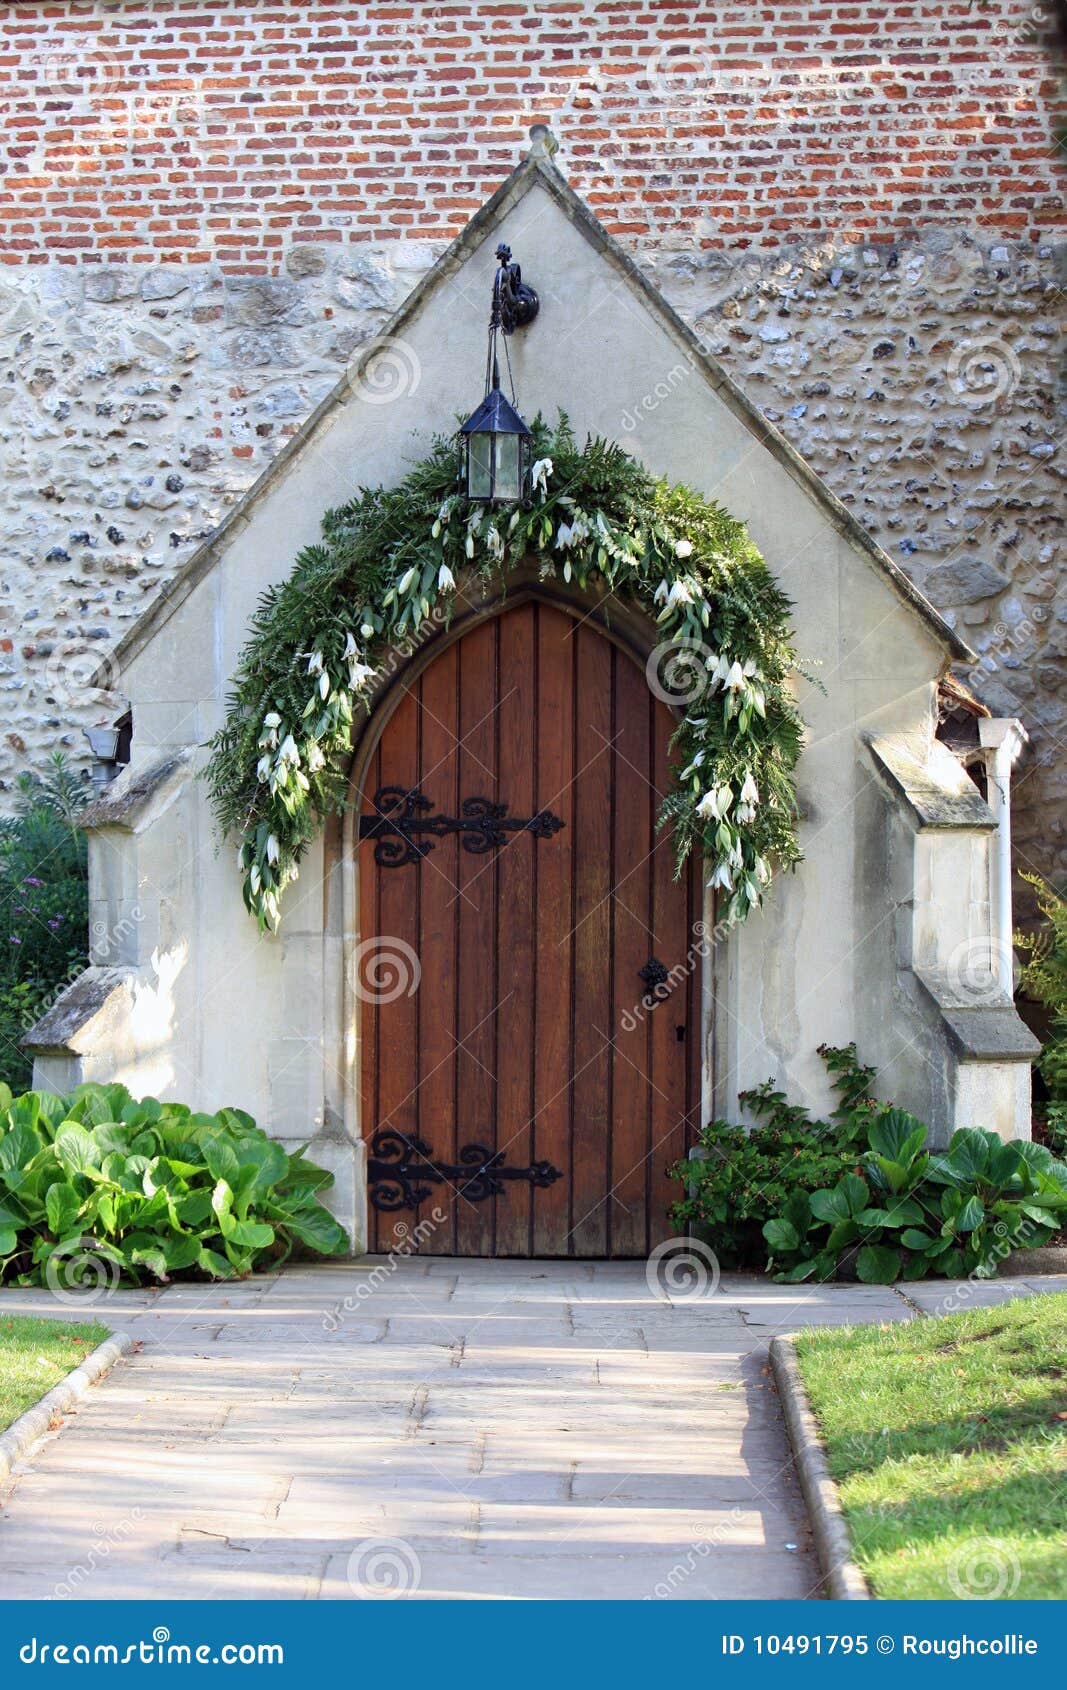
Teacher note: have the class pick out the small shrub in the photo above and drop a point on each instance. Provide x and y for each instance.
(101, 1186)
(1044, 976)
(860, 1195)
(913, 1215)
(742, 1177)
(44, 906)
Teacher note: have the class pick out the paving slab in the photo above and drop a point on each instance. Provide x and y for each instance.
(439, 1428)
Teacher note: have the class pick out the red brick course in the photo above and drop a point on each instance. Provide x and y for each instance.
(170, 130)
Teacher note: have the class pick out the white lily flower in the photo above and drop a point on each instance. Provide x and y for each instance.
(745, 813)
(749, 790)
(721, 877)
(446, 581)
(735, 678)
(316, 760)
(540, 473)
(750, 668)
(272, 719)
(351, 648)
(287, 752)
(494, 542)
(715, 803)
(406, 581)
(564, 535)
(660, 594)
(762, 870)
(681, 593)
(263, 768)
(683, 548)
(273, 849)
(359, 674)
(315, 663)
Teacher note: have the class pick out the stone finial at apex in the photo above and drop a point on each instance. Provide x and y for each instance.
(543, 143)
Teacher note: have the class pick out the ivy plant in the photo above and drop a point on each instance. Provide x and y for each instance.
(393, 557)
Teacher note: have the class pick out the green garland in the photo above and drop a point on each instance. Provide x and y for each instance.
(279, 764)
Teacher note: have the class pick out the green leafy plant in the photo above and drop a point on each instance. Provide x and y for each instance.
(392, 558)
(1044, 976)
(44, 905)
(860, 1195)
(912, 1215)
(740, 1178)
(97, 1184)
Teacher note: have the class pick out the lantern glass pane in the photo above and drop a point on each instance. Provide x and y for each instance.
(480, 466)
(507, 466)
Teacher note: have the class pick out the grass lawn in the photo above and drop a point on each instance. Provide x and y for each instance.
(35, 1355)
(948, 1439)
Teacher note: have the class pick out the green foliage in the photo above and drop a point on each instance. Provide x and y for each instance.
(861, 1195)
(1044, 976)
(743, 1179)
(916, 1216)
(388, 564)
(97, 1187)
(44, 905)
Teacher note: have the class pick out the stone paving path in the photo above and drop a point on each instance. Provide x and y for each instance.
(436, 1428)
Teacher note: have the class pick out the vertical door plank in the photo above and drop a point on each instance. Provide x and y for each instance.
(362, 1006)
(592, 944)
(397, 937)
(438, 778)
(517, 868)
(528, 955)
(554, 940)
(633, 945)
(475, 905)
(670, 1054)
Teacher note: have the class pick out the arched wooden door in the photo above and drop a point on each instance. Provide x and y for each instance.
(499, 969)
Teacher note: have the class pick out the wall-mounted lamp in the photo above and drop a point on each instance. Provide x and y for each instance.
(494, 443)
(104, 745)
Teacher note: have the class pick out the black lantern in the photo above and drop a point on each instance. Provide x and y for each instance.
(494, 467)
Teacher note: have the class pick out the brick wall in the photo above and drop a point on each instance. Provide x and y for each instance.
(209, 208)
(171, 130)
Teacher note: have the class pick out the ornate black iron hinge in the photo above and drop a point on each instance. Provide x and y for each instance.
(401, 818)
(402, 1172)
